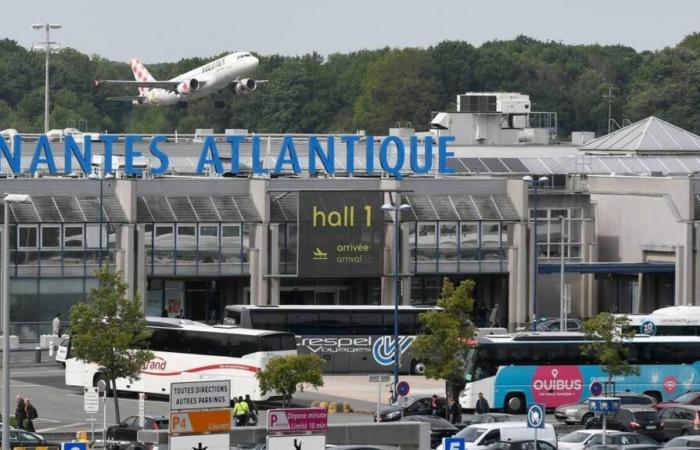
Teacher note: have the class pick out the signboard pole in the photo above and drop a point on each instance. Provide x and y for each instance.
(605, 427)
(379, 399)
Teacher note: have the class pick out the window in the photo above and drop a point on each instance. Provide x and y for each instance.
(164, 236)
(73, 236)
(50, 236)
(268, 320)
(550, 232)
(209, 236)
(27, 236)
(186, 237)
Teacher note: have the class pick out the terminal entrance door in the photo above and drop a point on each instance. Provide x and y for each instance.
(202, 301)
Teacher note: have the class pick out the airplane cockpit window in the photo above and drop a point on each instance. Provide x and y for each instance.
(243, 55)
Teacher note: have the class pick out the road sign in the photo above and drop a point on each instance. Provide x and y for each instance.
(596, 388)
(297, 420)
(647, 327)
(142, 409)
(74, 446)
(403, 388)
(201, 442)
(200, 395)
(91, 400)
(210, 421)
(301, 442)
(379, 378)
(603, 404)
(453, 443)
(535, 416)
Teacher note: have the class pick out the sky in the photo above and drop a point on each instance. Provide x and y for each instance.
(160, 31)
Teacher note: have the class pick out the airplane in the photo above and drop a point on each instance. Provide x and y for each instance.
(225, 72)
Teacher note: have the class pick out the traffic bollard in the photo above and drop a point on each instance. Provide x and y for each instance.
(37, 354)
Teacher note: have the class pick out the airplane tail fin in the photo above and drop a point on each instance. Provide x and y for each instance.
(141, 74)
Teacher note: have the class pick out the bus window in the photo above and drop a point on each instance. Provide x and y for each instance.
(303, 322)
(278, 342)
(267, 320)
(232, 317)
(366, 322)
(334, 323)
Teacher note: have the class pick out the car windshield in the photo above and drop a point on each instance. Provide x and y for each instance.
(686, 398)
(575, 437)
(471, 434)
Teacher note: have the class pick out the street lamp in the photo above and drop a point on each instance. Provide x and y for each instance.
(96, 176)
(9, 198)
(47, 46)
(397, 285)
(536, 184)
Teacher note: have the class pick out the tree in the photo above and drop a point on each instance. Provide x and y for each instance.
(110, 331)
(608, 334)
(287, 374)
(447, 332)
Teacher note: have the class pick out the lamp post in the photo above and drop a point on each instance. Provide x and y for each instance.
(47, 46)
(397, 285)
(9, 198)
(535, 184)
(562, 294)
(95, 176)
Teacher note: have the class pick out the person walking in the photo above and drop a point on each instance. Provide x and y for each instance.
(434, 406)
(20, 413)
(455, 412)
(56, 325)
(31, 415)
(246, 410)
(482, 405)
(493, 318)
(253, 414)
(239, 412)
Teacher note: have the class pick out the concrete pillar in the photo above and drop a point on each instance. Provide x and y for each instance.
(678, 292)
(125, 191)
(140, 264)
(274, 258)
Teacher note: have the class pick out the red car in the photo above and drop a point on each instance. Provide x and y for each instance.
(689, 398)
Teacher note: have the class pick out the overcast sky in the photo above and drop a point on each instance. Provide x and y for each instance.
(156, 30)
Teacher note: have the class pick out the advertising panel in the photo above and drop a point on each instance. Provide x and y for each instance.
(341, 234)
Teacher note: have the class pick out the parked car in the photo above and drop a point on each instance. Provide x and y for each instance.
(119, 436)
(480, 436)
(684, 441)
(553, 324)
(21, 438)
(625, 447)
(573, 413)
(489, 418)
(411, 406)
(640, 419)
(578, 440)
(521, 445)
(680, 420)
(439, 427)
(689, 398)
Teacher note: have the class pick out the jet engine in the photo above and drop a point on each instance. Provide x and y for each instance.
(244, 86)
(186, 87)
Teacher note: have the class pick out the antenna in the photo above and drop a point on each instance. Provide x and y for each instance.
(609, 96)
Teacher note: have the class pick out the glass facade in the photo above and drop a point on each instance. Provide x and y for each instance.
(210, 249)
(457, 247)
(287, 236)
(549, 232)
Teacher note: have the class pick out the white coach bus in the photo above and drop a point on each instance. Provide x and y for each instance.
(192, 351)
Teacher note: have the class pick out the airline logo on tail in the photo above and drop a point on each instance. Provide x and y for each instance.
(141, 74)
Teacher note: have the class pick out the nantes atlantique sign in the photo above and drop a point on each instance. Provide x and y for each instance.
(394, 156)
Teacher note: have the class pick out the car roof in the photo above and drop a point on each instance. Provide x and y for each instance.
(636, 409)
(510, 424)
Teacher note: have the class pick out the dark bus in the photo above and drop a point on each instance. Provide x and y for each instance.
(350, 338)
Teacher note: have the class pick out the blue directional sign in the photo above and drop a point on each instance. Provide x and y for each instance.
(603, 404)
(403, 388)
(453, 443)
(647, 327)
(74, 446)
(535, 416)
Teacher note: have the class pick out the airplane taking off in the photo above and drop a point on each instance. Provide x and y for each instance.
(225, 72)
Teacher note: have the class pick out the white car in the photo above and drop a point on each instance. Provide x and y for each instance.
(578, 440)
(480, 436)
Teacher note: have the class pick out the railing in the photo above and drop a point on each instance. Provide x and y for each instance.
(30, 331)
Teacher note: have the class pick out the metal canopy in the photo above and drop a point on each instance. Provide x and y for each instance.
(609, 267)
(191, 209)
(66, 209)
(459, 207)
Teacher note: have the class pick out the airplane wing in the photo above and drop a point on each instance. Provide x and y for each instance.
(169, 85)
(127, 98)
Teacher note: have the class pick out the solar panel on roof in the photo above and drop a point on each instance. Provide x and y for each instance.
(534, 166)
(456, 165)
(515, 165)
(474, 164)
(674, 165)
(495, 165)
(552, 164)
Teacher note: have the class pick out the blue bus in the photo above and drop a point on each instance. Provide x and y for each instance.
(514, 371)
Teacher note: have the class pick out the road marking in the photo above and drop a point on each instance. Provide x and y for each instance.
(47, 420)
(44, 430)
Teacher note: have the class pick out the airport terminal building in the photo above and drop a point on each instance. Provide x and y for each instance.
(623, 209)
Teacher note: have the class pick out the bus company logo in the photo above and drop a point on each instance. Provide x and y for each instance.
(383, 348)
(670, 384)
(557, 385)
(156, 364)
(336, 345)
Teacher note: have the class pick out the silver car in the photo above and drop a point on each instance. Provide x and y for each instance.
(578, 413)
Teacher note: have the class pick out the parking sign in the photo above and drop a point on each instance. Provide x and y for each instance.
(453, 443)
(535, 416)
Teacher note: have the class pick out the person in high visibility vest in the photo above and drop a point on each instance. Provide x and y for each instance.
(240, 412)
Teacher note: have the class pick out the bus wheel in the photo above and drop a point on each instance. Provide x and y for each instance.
(418, 368)
(515, 404)
(654, 394)
(99, 377)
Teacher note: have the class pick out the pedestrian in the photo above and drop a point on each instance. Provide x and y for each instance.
(238, 413)
(31, 415)
(493, 318)
(164, 313)
(482, 405)
(181, 315)
(246, 410)
(455, 412)
(434, 406)
(483, 316)
(20, 413)
(253, 415)
(56, 325)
